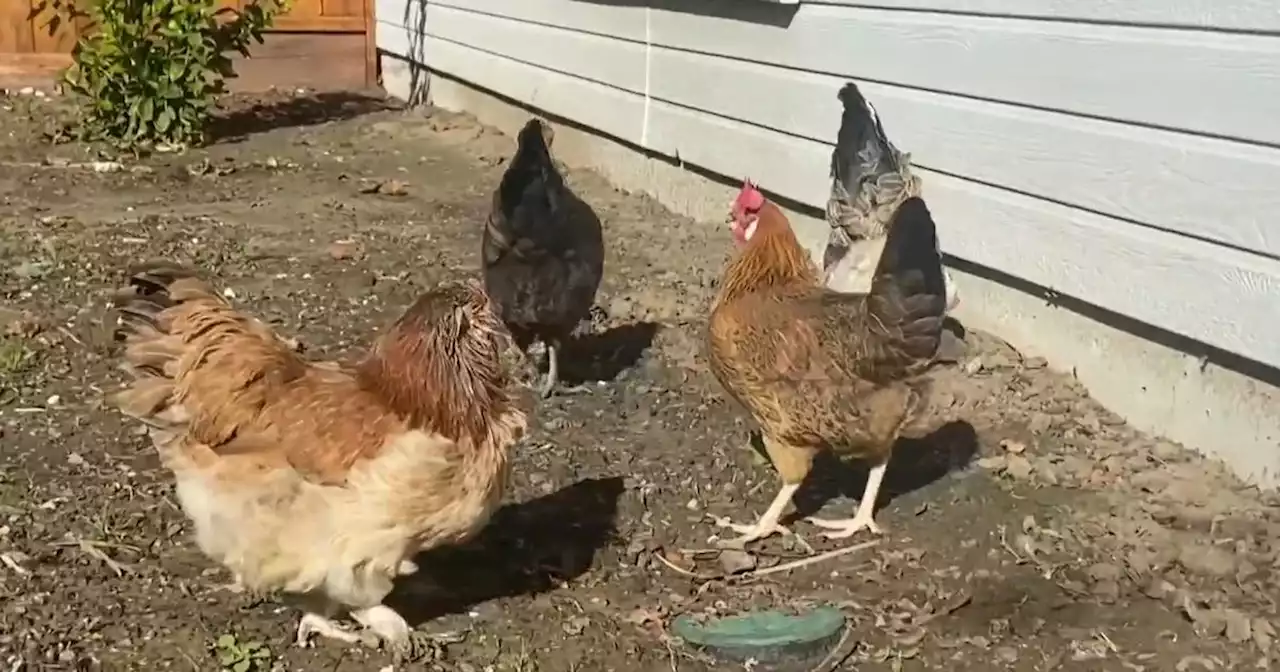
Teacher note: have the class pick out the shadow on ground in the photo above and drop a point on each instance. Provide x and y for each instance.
(529, 548)
(604, 356)
(916, 464)
(237, 124)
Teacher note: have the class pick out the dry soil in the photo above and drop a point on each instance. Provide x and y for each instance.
(1033, 531)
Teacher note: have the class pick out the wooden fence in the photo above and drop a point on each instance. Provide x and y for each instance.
(321, 44)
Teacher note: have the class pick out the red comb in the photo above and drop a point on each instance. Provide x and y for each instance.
(749, 197)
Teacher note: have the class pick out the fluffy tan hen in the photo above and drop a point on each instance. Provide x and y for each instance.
(318, 479)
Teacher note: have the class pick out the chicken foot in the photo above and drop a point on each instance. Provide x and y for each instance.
(864, 518)
(767, 525)
(552, 353)
(315, 624)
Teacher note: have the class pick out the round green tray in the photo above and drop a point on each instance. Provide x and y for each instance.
(768, 637)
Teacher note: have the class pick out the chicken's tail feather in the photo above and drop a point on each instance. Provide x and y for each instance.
(908, 293)
(193, 360)
(869, 176)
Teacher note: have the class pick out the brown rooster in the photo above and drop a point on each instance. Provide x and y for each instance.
(870, 178)
(316, 479)
(820, 369)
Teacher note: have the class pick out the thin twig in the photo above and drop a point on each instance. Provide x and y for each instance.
(831, 655)
(12, 564)
(74, 339)
(682, 570)
(947, 609)
(804, 562)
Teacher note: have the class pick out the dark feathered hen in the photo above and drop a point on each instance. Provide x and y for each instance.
(543, 250)
(870, 179)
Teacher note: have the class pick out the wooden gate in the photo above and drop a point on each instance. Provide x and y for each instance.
(320, 44)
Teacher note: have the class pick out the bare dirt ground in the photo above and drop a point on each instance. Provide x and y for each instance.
(1033, 531)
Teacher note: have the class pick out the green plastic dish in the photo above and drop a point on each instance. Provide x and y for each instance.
(768, 637)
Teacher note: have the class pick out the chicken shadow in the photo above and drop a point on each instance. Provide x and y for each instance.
(915, 464)
(604, 356)
(310, 110)
(527, 549)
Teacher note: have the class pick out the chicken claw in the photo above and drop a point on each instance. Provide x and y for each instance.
(864, 518)
(389, 626)
(761, 529)
(847, 527)
(315, 624)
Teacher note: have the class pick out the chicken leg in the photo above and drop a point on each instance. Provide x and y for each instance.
(553, 368)
(553, 348)
(768, 523)
(793, 464)
(865, 516)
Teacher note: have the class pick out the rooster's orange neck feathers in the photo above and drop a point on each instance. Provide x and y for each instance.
(771, 258)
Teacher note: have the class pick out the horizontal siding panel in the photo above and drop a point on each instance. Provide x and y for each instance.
(1206, 292)
(607, 109)
(1208, 188)
(603, 59)
(1204, 82)
(1211, 294)
(1250, 15)
(621, 21)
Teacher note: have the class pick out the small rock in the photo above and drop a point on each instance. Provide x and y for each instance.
(1013, 447)
(1105, 571)
(386, 188)
(734, 561)
(1140, 561)
(1108, 590)
(1008, 654)
(994, 463)
(575, 626)
(1018, 467)
(1263, 633)
(30, 270)
(1207, 560)
(345, 249)
(1035, 363)
(1189, 663)
(1239, 627)
(1158, 589)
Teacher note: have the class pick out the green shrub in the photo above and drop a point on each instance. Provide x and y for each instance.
(148, 71)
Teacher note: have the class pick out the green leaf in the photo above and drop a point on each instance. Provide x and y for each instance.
(226, 641)
(176, 70)
(146, 110)
(242, 666)
(164, 120)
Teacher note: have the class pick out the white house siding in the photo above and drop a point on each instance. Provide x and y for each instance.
(1125, 153)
